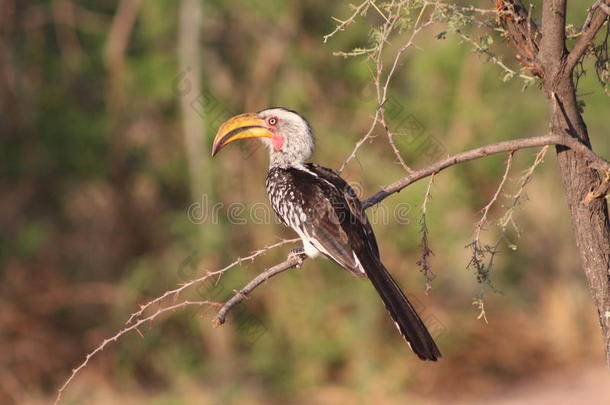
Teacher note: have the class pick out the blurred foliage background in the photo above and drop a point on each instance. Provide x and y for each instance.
(105, 109)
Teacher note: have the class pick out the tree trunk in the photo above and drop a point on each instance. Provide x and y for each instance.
(590, 222)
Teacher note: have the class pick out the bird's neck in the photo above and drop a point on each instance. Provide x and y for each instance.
(284, 160)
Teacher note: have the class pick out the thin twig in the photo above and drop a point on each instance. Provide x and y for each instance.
(481, 223)
(416, 29)
(483, 255)
(425, 251)
(366, 137)
(496, 60)
(427, 195)
(345, 23)
(382, 84)
(378, 10)
(397, 153)
(462, 9)
(124, 331)
(524, 181)
(291, 262)
(177, 291)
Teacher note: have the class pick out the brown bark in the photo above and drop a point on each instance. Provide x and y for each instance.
(590, 221)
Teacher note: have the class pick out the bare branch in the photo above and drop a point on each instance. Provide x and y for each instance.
(345, 23)
(590, 12)
(427, 195)
(136, 320)
(599, 4)
(509, 73)
(425, 251)
(177, 291)
(524, 181)
(479, 225)
(124, 331)
(417, 27)
(396, 151)
(455, 7)
(585, 40)
(293, 260)
(596, 161)
(483, 255)
(521, 31)
(381, 84)
(366, 137)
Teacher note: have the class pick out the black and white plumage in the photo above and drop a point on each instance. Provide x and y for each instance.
(324, 211)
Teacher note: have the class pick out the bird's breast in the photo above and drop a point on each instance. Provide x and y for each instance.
(286, 198)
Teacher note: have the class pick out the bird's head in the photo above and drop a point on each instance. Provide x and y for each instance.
(286, 134)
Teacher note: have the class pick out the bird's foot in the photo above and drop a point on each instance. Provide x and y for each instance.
(299, 254)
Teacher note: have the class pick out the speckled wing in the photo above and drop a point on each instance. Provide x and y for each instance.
(348, 206)
(318, 211)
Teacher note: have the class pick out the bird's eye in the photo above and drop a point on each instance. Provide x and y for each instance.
(272, 121)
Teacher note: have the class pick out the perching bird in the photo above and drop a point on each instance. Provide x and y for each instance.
(324, 211)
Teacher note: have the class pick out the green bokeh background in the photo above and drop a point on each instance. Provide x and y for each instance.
(95, 191)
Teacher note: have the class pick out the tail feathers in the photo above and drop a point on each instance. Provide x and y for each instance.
(402, 312)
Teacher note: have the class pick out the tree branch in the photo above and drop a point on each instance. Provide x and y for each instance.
(293, 260)
(208, 275)
(585, 40)
(597, 162)
(521, 31)
(124, 331)
(485, 210)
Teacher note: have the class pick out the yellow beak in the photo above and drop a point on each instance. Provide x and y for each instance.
(240, 127)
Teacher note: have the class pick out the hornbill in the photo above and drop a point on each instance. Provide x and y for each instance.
(324, 211)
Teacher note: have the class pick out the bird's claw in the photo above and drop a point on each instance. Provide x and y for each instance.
(299, 254)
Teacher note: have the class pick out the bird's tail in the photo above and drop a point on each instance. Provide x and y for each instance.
(402, 312)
